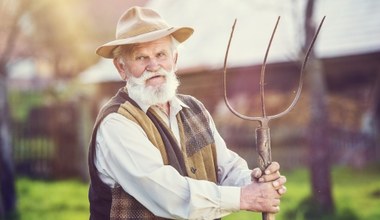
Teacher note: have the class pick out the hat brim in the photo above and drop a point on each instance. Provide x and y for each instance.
(179, 33)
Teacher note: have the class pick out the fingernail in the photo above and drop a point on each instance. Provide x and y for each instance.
(275, 184)
(267, 172)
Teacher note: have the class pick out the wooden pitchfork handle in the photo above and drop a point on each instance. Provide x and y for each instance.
(263, 148)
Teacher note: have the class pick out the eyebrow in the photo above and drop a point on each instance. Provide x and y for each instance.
(135, 53)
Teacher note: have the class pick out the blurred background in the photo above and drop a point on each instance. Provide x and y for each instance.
(52, 84)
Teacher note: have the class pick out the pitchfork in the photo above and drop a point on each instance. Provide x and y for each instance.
(263, 146)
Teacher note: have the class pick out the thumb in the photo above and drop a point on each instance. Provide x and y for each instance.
(256, 174)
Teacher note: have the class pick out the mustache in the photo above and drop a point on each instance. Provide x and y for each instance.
(148, 75)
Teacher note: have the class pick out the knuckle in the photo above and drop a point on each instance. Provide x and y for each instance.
(276, 164)
(282, 179)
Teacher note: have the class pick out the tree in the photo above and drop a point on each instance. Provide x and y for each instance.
(318, 125)
(11, 12)
(53, 31)
(63, 40)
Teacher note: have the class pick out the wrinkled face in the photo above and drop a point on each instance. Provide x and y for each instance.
(149, 69)
(149, 56)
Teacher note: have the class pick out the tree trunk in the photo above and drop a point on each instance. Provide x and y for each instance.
(7, 193)
(371, 119)
(318, 141)
(7, 173)
(318, 127)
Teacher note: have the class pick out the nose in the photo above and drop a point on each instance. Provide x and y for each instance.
(153, 65)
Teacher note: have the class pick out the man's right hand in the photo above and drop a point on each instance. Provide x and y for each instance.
(263, 196)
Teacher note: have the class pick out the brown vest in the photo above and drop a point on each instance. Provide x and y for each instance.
(196, 160)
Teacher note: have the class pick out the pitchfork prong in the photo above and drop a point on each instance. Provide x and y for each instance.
(265, 119)
(262, 74)
(300, 83)
(224, 81)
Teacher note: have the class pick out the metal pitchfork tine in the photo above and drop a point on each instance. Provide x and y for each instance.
(263, 146)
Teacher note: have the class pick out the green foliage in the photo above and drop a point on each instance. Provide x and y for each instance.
(63, 38)
(21, 103)
(33, 147)
(356, 194)
(56, 35)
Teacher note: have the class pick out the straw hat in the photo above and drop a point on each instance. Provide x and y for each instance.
(138, 25)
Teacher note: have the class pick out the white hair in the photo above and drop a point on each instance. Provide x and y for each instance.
(153, 95)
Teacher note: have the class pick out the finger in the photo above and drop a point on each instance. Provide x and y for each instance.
(276, 202)
(275, 209)
(282, 190)
(272, 168)
(275, 206)
(279, 182)
(256, 173)
(270, 177)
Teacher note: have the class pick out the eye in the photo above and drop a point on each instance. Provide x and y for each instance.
(161, 55)
(140, 58)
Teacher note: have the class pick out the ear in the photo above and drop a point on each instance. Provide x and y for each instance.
(120, 66)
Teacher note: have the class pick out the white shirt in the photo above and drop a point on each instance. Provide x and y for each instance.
(125, 156)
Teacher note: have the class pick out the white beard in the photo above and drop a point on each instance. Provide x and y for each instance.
(153, 95)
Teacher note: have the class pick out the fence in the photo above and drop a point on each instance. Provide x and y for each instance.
(48, 144)
(51, 144)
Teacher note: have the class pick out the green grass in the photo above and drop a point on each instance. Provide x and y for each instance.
(55, 200)
(356, 194)
(358, 191)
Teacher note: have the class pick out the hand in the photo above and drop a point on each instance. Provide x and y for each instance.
(261, 196)
(264, 192)
(271, 174)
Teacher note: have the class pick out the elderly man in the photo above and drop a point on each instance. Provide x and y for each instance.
(156, 154)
